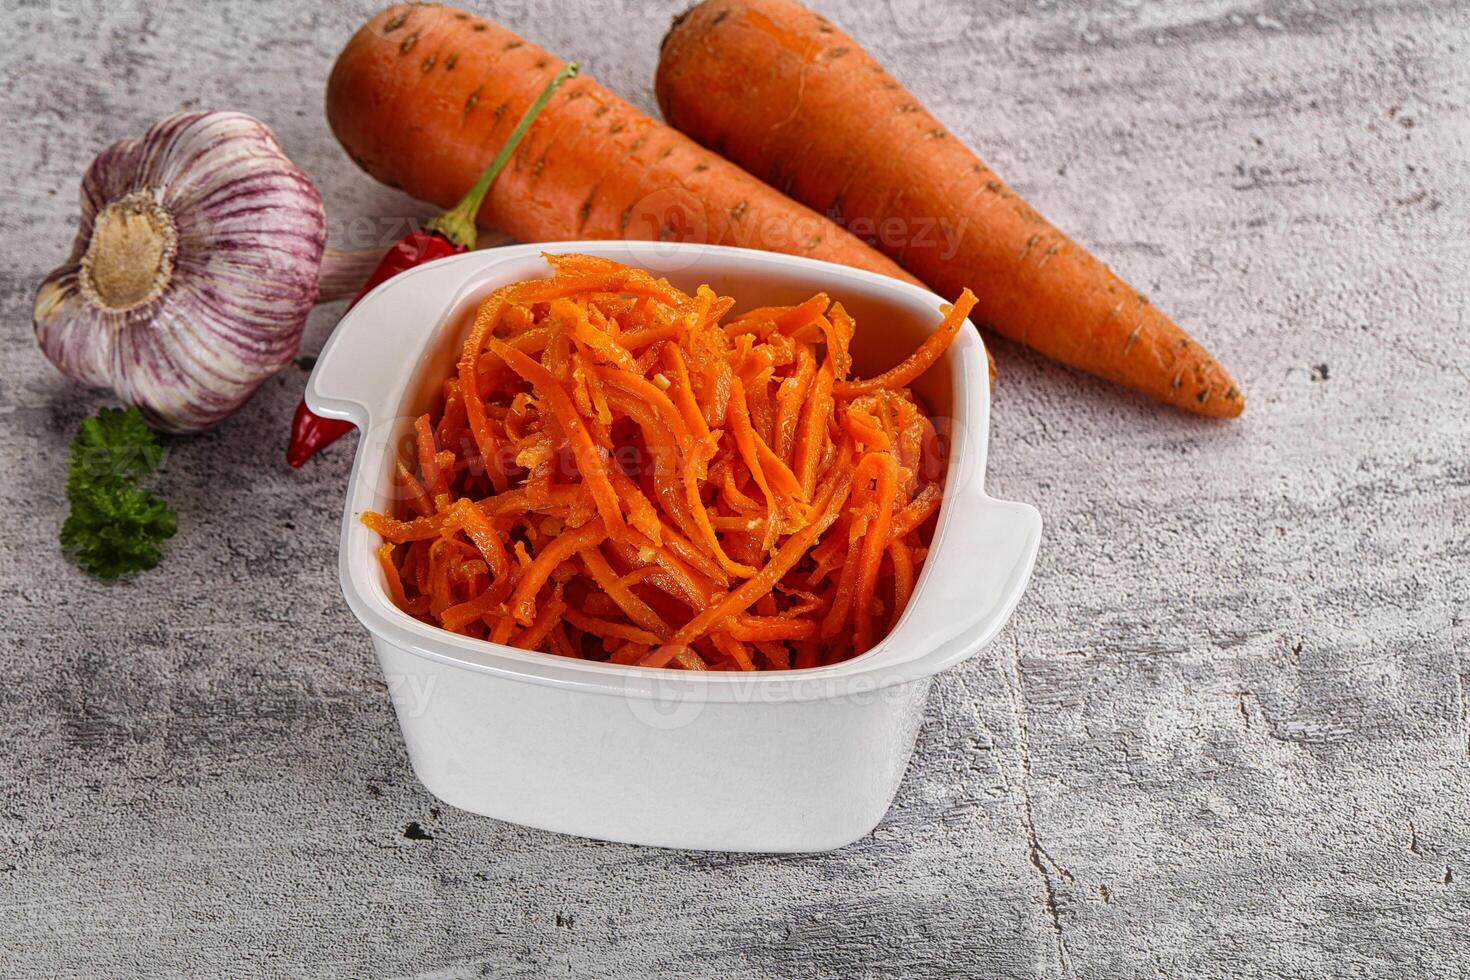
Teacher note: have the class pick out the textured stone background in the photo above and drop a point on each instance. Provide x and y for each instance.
(1226, 733)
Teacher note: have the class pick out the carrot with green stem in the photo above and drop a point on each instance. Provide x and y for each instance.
(424, 96)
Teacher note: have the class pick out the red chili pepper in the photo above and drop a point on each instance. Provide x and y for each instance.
(450, 233)
(309, 431)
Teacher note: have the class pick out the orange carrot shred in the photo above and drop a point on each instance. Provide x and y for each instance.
(523, 600)
(417, 497)
(882, 469)
(589, 461)
(903, 578)
(782, 562)
(812, 430)
(607, 628)
(532, 636)
(922, 359)
(390, 573)
(633, 607)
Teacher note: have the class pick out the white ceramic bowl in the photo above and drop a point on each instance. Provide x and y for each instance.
(772, 761)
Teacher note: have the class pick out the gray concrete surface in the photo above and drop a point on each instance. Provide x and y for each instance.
(1225, 735)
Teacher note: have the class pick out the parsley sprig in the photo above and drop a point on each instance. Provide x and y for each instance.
(115, 525)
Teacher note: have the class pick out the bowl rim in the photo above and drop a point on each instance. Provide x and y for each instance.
(445, 286)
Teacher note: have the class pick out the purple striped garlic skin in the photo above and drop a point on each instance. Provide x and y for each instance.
(196, 262)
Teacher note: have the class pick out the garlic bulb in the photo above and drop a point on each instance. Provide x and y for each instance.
(200, 252)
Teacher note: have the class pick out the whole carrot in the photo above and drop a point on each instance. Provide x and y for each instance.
(422, 97)
(784, 93)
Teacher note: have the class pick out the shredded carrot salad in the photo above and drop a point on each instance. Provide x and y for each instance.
(622, 472)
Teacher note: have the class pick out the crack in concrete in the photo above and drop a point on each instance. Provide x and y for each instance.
(1464, 710)
(1047, 870)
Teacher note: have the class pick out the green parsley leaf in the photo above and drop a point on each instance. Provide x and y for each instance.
(115, 525)
(114, 443)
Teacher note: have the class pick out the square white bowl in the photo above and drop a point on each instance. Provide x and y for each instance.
(796, 760)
